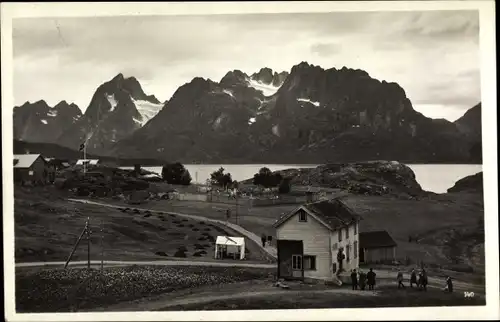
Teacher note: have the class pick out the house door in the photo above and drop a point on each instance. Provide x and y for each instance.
(361, 255)
(290, 259)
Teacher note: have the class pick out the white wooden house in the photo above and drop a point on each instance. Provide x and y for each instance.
(310, 237)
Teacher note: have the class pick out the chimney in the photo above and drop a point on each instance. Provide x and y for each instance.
(27, 151)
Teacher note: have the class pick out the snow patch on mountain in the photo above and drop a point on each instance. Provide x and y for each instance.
(147, 110)
(112, 101)
(44, 121)
(308, 101)
(52, 113)
(228, 92)
(251, 121)
(266, 89)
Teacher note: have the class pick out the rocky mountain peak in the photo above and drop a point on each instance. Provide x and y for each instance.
(265, 75)
(234, 78)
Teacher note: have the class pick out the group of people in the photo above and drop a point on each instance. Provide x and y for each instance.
(361, 279)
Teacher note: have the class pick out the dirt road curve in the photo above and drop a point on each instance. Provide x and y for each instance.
(268, 249)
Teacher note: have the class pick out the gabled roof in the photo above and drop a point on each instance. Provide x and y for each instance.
(88, 161)
(333, 213)
(376, 239)
(226, 240)
(25, 160)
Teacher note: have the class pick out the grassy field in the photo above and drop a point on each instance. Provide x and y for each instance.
(448, 227)
(47, 226)
(58, 290)
(447, 218)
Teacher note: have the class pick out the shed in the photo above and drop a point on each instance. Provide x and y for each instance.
(30, 168)
(376, 246)
(229, 247)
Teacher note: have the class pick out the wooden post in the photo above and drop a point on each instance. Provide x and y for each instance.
(76, 245)
(88, 243)
(102, 248)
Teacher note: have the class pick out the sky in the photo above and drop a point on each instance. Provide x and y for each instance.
(432, 55)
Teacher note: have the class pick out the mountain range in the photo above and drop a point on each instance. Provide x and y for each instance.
(307, 115)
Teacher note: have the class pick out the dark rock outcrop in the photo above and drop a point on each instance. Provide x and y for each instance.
(473, 183)
(370, 178)
(470, 125)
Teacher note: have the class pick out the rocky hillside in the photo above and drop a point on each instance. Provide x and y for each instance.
(470, 125)
(117, 109)
(313, 116)
(470, 183)
(371, 178)
(206, 121)
(39, 122)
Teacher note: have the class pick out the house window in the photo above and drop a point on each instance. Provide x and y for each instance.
(355, 249)
(309, 263)
(297, 262)
(302, 216)
(347, 252)
(340, 234)
(347, 232)
(355, 228)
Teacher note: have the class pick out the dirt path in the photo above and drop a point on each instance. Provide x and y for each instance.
(155, 262)
(271, 250)
(224, 292)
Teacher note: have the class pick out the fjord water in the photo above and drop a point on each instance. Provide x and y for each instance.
(432, 177)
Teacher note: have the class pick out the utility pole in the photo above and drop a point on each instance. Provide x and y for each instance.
(236, 200)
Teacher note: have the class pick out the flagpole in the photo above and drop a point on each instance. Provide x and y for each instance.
(84, 157)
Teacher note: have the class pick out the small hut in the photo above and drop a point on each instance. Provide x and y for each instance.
(229, 247)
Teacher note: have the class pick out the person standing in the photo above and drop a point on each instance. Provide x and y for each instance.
(354, 279)
(362, 280)
(400, 280)
(413, 278)
(263, 238)
(449, 284)
(371, 279)
(424, 280)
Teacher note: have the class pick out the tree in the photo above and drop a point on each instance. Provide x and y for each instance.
(176, 173)
(137, 169)
(186, 178)
(285, 186)
(267, 178)
(220, 178)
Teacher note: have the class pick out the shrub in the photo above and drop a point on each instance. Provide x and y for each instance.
(266, 178)
(285, 186)
(176, 173)
(180, 253)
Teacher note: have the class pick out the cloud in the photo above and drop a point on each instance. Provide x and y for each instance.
(326, 50)
(434, 56)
